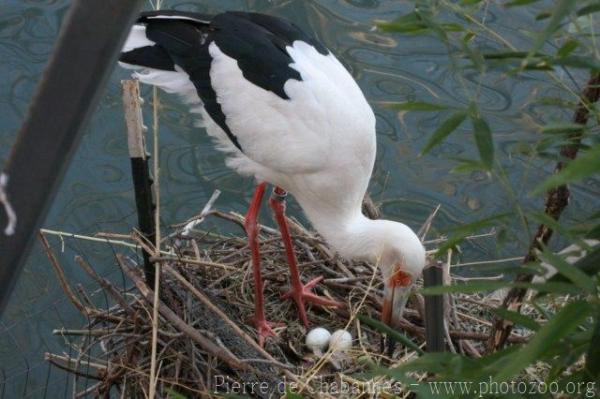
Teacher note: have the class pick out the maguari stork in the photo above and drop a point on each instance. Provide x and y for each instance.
(284, 110)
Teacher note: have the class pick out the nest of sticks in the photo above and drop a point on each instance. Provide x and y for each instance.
(206, 342)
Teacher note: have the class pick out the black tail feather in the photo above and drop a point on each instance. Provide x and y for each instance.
(150, 57)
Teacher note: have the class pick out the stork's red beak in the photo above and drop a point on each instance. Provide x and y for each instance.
(396, 292)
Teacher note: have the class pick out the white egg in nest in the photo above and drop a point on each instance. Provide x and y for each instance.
(340, 341)
(317, 339)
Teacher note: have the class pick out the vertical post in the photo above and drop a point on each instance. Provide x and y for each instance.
(434, 310)
(142, 182)
(89, 42)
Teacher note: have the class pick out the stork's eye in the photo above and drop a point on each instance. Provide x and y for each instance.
(400, 278)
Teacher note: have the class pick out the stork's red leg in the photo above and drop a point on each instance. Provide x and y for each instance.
(299, 292)
(263, 327)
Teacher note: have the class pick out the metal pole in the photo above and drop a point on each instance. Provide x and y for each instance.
(88, 45)
(434, 310)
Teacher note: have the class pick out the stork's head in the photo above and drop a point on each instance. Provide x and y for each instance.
(393, 246)
(401, 261)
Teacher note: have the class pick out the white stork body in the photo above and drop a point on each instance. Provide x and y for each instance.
(285, 111)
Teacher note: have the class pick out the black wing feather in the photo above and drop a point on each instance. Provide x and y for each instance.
(256, 41)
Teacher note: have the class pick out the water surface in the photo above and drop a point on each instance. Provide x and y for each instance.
(96, 193)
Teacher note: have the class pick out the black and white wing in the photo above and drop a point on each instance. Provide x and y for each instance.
(278, 95)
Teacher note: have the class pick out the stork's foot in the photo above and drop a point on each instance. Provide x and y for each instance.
(264, 329)
(302, 294)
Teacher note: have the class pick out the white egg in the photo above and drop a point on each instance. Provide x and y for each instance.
(340, 340)
(317, 339)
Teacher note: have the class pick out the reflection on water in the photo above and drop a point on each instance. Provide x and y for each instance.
(96, 194)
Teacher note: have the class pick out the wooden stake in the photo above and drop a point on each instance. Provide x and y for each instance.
(434, 310)
(142, 182)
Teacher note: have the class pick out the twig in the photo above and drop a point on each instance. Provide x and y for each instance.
(62, 279)
(88, 238)
(206, 301)
(487, 262)
(422, 233)
(440, 240)
(181, 325)
(64, 363)
(187, 228)
(104, 283)
(189, 261)
(84, 332)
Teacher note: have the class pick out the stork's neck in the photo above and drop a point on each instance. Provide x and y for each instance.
(348, 231)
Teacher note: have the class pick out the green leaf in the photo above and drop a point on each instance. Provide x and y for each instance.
(435, 362)
(536, 65)
(567, 48)
(556, 102)
(554, 128)
(452, 367)
(471, 287)
(174, 395)
(474, 286)
(484, 141)
(504, 55)
(516, 3)
(593, 232)
(589, 9)
(587, 164)
(577, 276)
(550, 287)
(452, 27)
(468, 166)
(447, 127)
(575, 61)
(408, 23)
(473, 53)
(543, 15)
(289, 394)
(592, 362)
(561, 10)
(469, 2)
(590, 263)
(416, 106)
(517, 318)
(468, 36)
(422, 390)
(557, 328)
(390, 332)
(416, 27)
(542, 217)
(436, 28)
